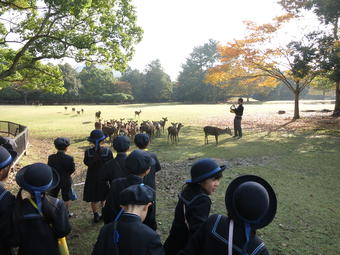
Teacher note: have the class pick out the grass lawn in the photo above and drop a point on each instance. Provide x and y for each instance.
(301, 161)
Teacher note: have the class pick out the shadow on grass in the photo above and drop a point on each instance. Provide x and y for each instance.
(279, 127)
(86, 122)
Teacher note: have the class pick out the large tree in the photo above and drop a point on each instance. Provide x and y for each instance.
(157, 84)
(258, 56)
(96, 82)
(72, 83)
(191, 85)
(328, 12)
(136, 80)
(100, 31)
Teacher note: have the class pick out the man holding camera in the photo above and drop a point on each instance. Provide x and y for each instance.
(238, 117)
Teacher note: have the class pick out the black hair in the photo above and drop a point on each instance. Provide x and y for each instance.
(240, 99)
(216, 176)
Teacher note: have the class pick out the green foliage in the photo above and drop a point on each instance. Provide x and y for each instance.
(191, 85)
(96, 82)
(157, 84)
(72, 83)
(95, 31)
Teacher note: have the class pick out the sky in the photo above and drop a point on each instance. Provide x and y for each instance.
(172, 28)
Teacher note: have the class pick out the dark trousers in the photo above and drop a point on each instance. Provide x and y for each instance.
(237, 126)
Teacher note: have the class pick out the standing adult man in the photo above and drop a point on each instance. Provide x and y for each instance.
(238, 117)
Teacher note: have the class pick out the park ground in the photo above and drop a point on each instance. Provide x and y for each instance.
(300, 159)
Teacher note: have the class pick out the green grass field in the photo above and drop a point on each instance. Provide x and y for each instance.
(302, 164)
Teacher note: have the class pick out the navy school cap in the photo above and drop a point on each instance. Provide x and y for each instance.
(121, 143)
(138, 162)
(141, 140)
(203, 169)
(61, 143)
(138, 194)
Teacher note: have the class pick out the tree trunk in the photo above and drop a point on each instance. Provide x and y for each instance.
(25, 98)
(336, 112)
(296, 106)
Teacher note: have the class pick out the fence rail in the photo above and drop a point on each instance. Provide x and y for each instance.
(17, 132)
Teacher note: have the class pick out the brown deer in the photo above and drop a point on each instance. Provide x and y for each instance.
(65, 108)
(215, 131)
(162, 122)
(173, 132)
(97, 115)
(78, 112)
(82, 110)
(137, 113)
(73, 109)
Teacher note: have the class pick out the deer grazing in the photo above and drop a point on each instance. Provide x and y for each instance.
(215, 131)
(173, 132)
(137, 113)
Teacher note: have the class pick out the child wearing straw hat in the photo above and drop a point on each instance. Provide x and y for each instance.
(39, 220)
(251, 205)
(7, 157)
(193, 206)
(96, 188)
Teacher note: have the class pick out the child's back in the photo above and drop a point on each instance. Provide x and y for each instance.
(134, 238)
(36, 233)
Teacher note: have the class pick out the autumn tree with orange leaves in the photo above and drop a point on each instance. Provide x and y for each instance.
(259, 58)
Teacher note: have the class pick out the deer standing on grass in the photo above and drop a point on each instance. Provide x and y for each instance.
(65, 108)
(137, 113)
(173, 132)
(162, 122)
(215, 131)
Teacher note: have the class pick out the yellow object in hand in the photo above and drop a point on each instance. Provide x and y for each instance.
(63, 248)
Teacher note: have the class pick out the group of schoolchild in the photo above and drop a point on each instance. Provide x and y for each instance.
(122, 193)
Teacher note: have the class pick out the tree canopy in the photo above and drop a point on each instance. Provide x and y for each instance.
(94, 31)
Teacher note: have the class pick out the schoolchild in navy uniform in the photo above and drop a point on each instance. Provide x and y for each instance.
(8, 143)
(251, 204)
(64, 164)
(193, 206)
(142, 141)
(121, 145)
(115, 167)
(7, 157)
(39, 220)
(96, 188)
(138, 165)
(127, 234)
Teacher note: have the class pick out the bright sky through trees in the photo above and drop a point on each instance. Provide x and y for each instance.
(172, 28)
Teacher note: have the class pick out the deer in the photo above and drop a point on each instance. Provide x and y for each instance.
(65, 108)
(173, 132)
(215, 131)
(162, 122)
(82, 111)
(137, 113)
(78, 112)
(73, 109)
(97, 115)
